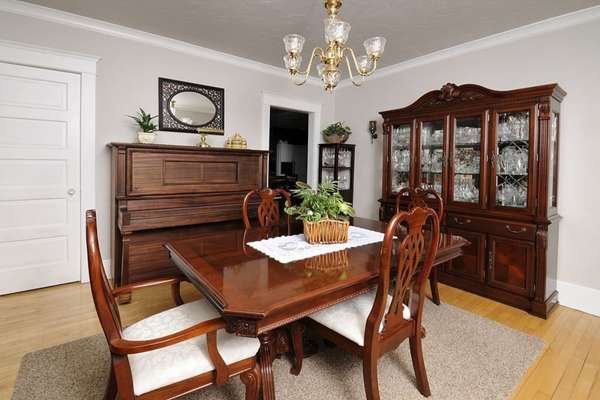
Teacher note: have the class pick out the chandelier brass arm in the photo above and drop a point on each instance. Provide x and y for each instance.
(362, 72)
(306, 73)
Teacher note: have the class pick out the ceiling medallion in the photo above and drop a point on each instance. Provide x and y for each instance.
(330, 58)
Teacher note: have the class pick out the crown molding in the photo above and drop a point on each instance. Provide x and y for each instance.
(38, 56)
(123, 32)
(548, 25)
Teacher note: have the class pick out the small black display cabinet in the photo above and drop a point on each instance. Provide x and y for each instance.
(336, 163)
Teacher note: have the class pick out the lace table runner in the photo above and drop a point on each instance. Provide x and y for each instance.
(286, 249)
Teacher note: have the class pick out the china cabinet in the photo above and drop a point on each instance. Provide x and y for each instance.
(493, 157)
(336, 163)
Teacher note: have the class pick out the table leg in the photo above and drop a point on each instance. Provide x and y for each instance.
(433, 282)
(265, 355)
(296, 331)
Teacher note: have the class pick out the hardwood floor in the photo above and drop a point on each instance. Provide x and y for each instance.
(568, 369)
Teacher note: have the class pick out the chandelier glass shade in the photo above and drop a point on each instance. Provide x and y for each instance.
(333, 54)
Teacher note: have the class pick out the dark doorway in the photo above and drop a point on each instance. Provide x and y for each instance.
(288, 148)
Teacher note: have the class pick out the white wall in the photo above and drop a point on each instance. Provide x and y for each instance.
(128, 78)
(569, 56)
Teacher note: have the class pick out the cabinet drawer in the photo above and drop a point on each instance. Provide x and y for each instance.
(515, 230)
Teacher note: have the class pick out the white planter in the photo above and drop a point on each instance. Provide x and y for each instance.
(146, 137)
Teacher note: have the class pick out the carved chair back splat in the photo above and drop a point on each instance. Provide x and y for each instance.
(387, 327)
(419, 197)
(120, 379)
(268, 212)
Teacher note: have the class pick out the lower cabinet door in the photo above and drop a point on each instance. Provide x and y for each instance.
(472, 264)
(511, 265)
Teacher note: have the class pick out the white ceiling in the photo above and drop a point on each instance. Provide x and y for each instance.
(254, 28)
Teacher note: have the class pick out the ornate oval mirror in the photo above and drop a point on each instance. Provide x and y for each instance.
(192, 108)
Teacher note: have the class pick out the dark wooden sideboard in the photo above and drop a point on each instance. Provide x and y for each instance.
(160, 192)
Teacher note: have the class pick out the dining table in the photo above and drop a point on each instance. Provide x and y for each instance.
(258, 296)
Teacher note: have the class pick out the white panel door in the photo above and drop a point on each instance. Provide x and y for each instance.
(39, 178)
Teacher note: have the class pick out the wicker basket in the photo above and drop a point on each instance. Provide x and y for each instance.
(326, 231)
(336, 138)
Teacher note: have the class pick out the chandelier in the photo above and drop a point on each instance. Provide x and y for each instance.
(336, 52)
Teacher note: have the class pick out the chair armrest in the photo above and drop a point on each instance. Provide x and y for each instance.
(126, 289)
(124, 346)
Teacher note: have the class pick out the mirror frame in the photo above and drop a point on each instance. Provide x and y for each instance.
(168, 88)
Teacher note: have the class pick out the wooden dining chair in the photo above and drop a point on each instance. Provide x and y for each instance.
(170, 353)
(268, 210)
(419, 197)
(376, 322)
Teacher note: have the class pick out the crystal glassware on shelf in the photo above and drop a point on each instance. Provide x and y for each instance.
(426, 161)
(344, 180)
(507, 160)
(521, 157)
(328, 157)
(437, 137)
(465, 189)
(437, 183)
(436, 161)
(327, 175)
(401, 137)
(344, 158)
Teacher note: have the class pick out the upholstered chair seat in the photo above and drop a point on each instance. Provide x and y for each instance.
(158, 368)
(349, 318)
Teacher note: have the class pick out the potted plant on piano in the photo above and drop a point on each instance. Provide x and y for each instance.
(147, 126)
(323, 212)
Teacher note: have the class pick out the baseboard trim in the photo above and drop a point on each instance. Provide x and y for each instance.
(581, 298)
(85, 276)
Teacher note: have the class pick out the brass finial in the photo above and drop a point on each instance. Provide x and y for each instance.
(333, 7)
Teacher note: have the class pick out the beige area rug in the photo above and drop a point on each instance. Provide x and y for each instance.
(467, 357)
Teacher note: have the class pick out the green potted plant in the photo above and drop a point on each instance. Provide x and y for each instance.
(144, 121)
(323, 212)
(337, 133)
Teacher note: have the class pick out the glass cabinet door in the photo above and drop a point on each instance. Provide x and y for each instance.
(466, 159)
(327, 169)
(400, 162)
(432, 155)
(553, 161)
(511, 156)
(344, 165)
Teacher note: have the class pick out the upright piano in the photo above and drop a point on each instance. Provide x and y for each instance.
(164, 192)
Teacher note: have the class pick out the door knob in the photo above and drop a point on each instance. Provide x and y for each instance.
(71, 192)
